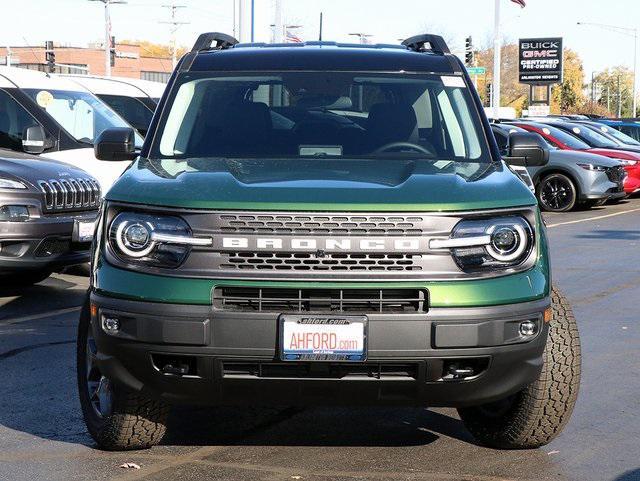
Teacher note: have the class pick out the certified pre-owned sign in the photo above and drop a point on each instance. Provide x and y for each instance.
(541, 60)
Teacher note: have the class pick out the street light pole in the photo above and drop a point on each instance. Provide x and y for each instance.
(630, 32)
(497, 54)
(107, 33)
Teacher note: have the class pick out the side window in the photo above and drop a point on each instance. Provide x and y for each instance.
(14, 119)
(502, 140)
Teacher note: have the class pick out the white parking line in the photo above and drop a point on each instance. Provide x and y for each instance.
(43, 315)
(592, 218)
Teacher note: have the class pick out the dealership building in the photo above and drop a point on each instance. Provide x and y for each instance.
(129, 60)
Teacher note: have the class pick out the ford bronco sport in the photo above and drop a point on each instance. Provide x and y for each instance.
(323, 224)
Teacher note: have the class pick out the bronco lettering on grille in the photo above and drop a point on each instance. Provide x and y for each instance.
(328, 244)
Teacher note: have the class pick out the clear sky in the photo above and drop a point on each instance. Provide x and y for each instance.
(78, 22)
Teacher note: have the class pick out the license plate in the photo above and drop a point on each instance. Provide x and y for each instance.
(83, 230)
(323, 338)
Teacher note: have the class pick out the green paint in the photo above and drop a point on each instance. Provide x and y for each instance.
(321, 185)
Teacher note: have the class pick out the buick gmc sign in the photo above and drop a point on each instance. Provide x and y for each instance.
(540, 60)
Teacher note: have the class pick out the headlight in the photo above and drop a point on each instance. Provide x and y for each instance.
(489, 243)
(159, 241)
(11, 184)
(598, 168)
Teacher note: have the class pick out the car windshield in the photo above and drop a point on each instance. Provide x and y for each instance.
(567, 139)
(81, 114)
(616, 134)
(131, 109)
(591, 137)
(322, 115)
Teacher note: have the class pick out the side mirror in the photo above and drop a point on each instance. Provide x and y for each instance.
(527, 149)
(115, 144)
(34, 140)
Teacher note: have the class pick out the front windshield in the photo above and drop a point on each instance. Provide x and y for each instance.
(616, 134)
(322, 115)
(569, 140)
(81, 114)
(591, 137)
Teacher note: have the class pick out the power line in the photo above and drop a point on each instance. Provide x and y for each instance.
(175, 25)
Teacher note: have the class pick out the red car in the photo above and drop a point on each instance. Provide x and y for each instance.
(565, 141)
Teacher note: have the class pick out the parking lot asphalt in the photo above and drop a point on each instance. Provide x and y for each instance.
(42, 435)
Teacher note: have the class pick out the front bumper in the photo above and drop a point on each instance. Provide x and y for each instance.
(595, 185)
(44, 242)
(234, 356)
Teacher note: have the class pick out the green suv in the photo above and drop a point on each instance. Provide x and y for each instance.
(323, 224)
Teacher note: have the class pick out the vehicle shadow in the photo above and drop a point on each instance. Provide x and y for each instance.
(611, 234)
(51, 294)
(633, 475)
(326, 427)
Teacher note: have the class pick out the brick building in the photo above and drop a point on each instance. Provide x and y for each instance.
(130, 61)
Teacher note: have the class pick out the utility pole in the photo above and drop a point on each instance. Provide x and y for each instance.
(8, 58)
(175, 24)
(619, 98)
(107, 33)
(278, 29)
(497, 54)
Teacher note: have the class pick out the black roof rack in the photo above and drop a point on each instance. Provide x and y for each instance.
(436, 43)
(223, 41)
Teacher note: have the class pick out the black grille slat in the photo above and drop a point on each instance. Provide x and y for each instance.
(311, 371)
(310, 224)
(309, 261)
(70, 194)
(320, 300)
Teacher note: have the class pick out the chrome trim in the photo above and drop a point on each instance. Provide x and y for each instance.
(482, 240)
(180, 239)
(70, 194)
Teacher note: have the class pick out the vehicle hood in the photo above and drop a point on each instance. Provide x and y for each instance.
(321, 184)
(616, 154)
(576, 156)
(32, 169)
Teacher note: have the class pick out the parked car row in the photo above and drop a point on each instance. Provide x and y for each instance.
(51, 182)
(590, 163)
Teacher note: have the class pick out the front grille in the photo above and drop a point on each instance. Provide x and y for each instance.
(306, 261)
(362, 301)
(70, 194)
(326, 224)
(52, 246)
(616, 174)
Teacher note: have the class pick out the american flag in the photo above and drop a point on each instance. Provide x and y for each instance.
(522, 3)
(292, 37)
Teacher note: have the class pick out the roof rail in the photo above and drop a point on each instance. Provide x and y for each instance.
(436, 43)
(223, 41)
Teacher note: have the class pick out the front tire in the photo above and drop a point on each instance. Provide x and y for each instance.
(117, 419)
(557, 193)
(534, 416)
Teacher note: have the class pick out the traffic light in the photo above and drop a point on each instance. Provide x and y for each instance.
(468, 51)
(488, 93)
(112, 52)
(50, 56)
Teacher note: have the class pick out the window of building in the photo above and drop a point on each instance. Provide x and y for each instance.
(155, 76)
(74, 69)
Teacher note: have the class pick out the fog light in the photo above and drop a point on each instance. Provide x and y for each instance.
(14, 213)
(110, 325)
(528, 328)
